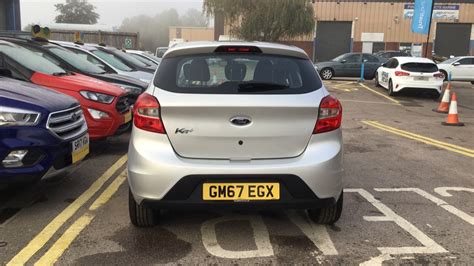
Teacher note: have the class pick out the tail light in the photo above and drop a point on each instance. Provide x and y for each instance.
(438, 75)
(401, 74)
(147, 114)
(330, 115)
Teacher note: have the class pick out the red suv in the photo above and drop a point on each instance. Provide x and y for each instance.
(106, 106)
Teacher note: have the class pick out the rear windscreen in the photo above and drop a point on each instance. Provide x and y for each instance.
(229, 73)
(420, 67)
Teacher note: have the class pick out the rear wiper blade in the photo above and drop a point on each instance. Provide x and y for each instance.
(261, 86)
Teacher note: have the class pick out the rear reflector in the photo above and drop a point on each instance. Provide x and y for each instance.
(330, 115)
(147, 114)
(401, 74)
(237, 49)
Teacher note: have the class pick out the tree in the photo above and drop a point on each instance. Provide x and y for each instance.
(76, 12)
(194, 17)
(264, 20)
(155, 33)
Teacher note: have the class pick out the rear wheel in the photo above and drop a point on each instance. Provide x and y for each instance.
(445, 75)
(390, 89)
(141, 216)
(327, 215)
(326, 73)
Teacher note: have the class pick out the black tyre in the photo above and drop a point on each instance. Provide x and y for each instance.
(326, 73)
(472, 82)
(141, 216)
(377, 84)
(327, 215)
(390, 88)
(445, 75)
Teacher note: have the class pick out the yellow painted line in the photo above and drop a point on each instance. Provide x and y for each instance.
(47, 233)
(371, 102)
(63, 243)
(380, 94)
(425, 140)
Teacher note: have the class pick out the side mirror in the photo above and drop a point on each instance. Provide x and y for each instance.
(343, 61)
(456, 64)
(101, 66)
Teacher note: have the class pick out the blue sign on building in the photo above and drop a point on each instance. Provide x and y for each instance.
(422, 16)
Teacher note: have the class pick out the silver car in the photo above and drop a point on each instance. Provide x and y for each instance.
(236, 125)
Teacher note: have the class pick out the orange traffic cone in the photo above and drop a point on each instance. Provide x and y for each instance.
(453, 119)
(443, 106)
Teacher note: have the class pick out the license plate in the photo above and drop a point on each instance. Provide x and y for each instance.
(80, 148)
(127, 117)
(241, 191)
(421, 78)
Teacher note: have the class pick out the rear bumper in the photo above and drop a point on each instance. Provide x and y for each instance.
(155, 173)
(399, 86)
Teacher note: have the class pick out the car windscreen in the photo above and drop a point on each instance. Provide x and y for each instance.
(30, 60)
(144, 59)
(76, 61)
(112, 60)
(129, 59)
(420, 67)
(237, 73)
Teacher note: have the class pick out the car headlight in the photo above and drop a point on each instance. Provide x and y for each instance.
(18, 117)
(130, 89)
(97, 97)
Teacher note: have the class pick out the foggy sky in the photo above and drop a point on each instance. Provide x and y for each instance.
(112, 12)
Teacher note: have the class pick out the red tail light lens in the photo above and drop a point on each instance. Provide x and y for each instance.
(438, 75)
(147, 114)
(401, 74)
(330, 115)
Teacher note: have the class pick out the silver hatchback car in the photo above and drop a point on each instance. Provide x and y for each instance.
(236, 125)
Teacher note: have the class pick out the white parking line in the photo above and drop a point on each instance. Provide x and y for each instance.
(443, 204)
(316, 233)
(429, 245)
(262, 239)
(443, 191)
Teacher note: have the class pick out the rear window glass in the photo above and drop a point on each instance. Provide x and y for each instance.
(420, 67)
(237, 73)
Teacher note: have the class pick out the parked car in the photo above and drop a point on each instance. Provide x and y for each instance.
(385, 55)
(409, 73)
(160, 51)
(106, 107)
(349, 65)
(72, 62)
(461, 68)
(236, 125)
(106, 61)
(145, 57)
(42, 133)
(127, 58)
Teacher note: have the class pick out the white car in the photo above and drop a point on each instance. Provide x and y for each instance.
(461, 68)
(408, 73)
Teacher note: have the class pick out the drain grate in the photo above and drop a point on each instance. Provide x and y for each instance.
(6, 214)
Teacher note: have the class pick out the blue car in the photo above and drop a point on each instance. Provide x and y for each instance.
(42, 132)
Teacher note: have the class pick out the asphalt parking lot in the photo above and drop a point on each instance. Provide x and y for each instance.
(408, 199)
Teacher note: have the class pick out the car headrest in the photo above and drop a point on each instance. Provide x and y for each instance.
(235, 72)
(198, 71)
(264, 71)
